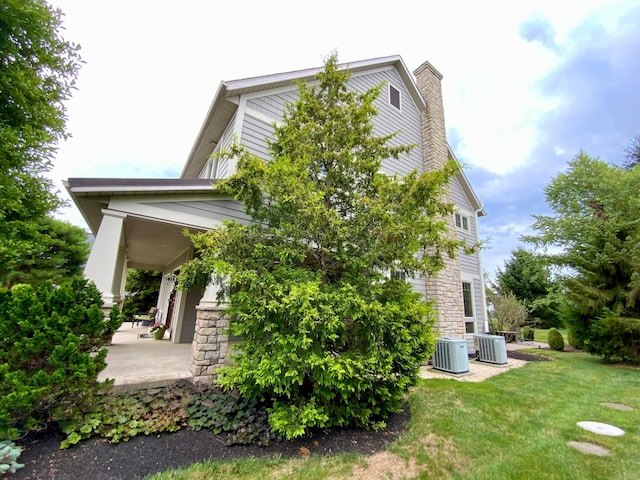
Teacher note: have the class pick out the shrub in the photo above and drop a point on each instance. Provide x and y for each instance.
(577, 323)
(615, 338)
(51, 351)
(527, 333)
(555, 339)
(574, 340)
(9, 453)
(509, 313)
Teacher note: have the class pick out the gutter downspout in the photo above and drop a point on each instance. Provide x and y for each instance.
(484, 288)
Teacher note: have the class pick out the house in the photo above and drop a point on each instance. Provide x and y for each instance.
(139, 223)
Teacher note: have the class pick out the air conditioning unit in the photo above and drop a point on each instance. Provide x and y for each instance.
(492, 349)
(451, 355)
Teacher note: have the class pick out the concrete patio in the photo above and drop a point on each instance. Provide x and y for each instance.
(134, 361)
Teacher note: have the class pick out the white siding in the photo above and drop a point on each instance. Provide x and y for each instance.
(211, 209)
(389, 120)
(262, 111)
(219, 169)
(255, 132)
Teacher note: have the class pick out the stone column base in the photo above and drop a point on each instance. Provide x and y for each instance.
(210, 342)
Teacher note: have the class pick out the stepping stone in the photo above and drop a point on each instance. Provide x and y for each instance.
(601, 429)
(617, 406)
(590, 448)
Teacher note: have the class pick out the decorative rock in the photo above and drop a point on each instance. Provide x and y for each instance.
(617, 406)
(602, 429)
(589, 448)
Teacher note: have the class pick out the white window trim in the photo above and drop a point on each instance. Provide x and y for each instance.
(473, 303)
(463, 215)
(390, 86)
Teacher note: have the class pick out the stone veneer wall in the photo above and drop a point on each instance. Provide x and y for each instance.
(446, 288)
(210, 342)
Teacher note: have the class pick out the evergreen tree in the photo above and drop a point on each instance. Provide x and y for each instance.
(330, 336)
(596, 228)
(143, 287)
(58, 251)
(526, 276)
(38, 69)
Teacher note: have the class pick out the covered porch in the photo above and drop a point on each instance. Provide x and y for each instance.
(141, 223)
(135, 361)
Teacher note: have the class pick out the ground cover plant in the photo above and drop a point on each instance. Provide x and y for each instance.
(120, 416)
(497, 429)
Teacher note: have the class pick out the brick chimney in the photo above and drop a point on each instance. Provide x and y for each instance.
(446, 288)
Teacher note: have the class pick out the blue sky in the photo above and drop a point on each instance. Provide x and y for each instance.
(526, 86)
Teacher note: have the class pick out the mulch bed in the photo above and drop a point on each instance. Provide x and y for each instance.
(96, 459)
(527, 357)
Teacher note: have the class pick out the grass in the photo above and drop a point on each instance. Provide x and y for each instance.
(542, 335)
(513, 425)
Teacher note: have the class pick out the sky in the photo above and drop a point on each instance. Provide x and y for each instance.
(527, 84)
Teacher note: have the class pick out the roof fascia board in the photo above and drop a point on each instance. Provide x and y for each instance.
(466, 185)
(218, 98)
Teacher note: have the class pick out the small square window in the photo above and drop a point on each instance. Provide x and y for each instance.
(394, 96)
(470, 327)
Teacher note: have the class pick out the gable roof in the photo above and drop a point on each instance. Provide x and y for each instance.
(225, 103)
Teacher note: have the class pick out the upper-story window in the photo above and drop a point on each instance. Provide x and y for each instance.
(399, 274)
(462, 221)
(394, 96)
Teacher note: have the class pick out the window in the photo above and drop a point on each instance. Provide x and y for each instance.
(462, 221)
(394, 96)
(467, 298)
(399, 274)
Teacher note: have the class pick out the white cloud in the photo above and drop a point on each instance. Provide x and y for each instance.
(153, 67)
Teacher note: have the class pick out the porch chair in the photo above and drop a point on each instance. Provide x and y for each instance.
(149, 317)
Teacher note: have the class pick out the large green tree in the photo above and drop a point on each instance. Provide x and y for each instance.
(330, 335)
(38, 69)
(594, 235)
(142, 289)
(58, 251)
(526, 276)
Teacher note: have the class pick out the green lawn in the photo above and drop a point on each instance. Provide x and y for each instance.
(515, 425)
(541, 335)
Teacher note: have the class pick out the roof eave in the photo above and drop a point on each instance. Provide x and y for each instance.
(466, 185)
(209, 135)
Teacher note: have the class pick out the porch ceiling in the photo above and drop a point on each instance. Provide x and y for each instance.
(151, 245)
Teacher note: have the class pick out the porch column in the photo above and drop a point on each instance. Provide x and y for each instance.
(107, 260)
(210, 341)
